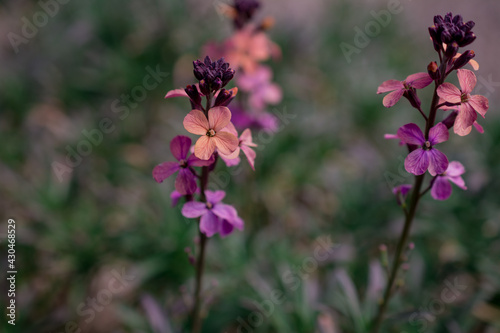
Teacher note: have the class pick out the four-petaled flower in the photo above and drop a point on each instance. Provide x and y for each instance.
(262, 90)
(216, 217)
(245, 144)
(469, 105)
(211, 130)
(185, 183)
(426, 156)
(441, 189)
(399, 88)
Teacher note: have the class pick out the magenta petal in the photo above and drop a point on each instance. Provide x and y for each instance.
(419, 80)
(478, 127)
(441, 189)
(175, 196)
(165, 170)
(224, 211)
(459, 181)
(439, 133)
(230, 162)
(193, 209)
(179, 146)
(392, 98)
(250, 154)
(215, 197)
(412, 134)
(195, 161)
(185, 182)
(480, 104)
(209, 224)
(389, 85)
(417, 162)
(226, 228)
(455, 169)
(438, 162)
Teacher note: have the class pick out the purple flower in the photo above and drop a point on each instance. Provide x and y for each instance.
(404, 88)
(441, 189)
(185, 183)
(426, 156)
(216, 217)
(401, 192)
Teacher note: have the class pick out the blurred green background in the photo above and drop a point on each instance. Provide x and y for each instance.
(323, 176)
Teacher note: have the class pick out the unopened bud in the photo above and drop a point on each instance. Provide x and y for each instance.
(463, 59)
(433, 70)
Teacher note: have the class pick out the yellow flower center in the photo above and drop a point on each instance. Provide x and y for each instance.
(464, 98)
(210, 133)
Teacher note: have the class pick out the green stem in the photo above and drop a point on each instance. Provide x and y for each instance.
(200, 262)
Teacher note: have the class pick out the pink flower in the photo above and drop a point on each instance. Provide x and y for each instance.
(398, 88)
(185, 183)
(441, 189)
(245, 144)
(249, 46)
(469, 105)
(262, 90)
(426, 156)
(211, 132)
(216, 217)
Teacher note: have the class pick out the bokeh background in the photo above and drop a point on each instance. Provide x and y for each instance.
(327, 174)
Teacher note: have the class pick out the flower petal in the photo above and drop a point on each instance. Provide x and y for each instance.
(250, 154)
(195, 122)
(226, 228)
(449, 93)
(175, 196)
(194, 209)
(389, 85)
(231, 161)
(439, 133)
(273, 94)
(246, 138)
(441, 189)
(204, 147)
(179, 146)
(224, 211)
(467, 80)
(419, 80)
(479, 103)
(465, 118)
(195, 161)
(438, 162)
(417, 162)
(234, 155)
(214, 197)
(455, 169)
(459, 181)
(478, 127)
(164, 170)
(230, 129)
(392, 98)
(185, 183)
(225, 142)
(218, 117)
(176, 93)
(412, 134)
(209, 224)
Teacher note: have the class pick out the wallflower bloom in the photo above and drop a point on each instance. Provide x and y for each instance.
(245, 144)
(262, 90)
(426, 156)
(185, 183)
(218, 117)
(400, 88)
(441, 189)
(216, 217)
(469, 105)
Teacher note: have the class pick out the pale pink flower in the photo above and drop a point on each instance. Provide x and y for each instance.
(262, 90)
(211, 132)
(245, 144)
(468, 104)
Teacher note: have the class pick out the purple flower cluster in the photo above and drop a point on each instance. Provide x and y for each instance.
(448, 34)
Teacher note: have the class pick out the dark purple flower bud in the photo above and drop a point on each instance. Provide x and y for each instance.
(224, 97)
(212, 75)
(194, 96)
(452, 29)
(227, 76)
(245, 10)
(463, 59)
(216, 84)
(458, 19)
(468, 39)
(204, 87)
(451, 50)
(433, 70)
(469, 25)
(450, 120)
